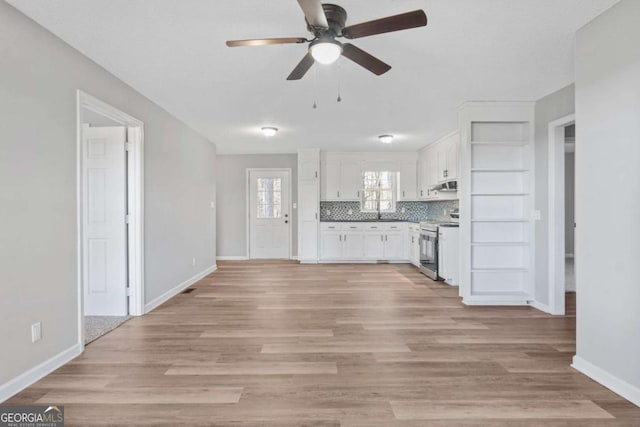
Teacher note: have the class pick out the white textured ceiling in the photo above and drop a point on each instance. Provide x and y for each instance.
(173, 52)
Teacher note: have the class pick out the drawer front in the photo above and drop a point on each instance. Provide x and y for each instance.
(330, 226)
(352, 227)
(373, 226)
(414, 227)
(396, 226)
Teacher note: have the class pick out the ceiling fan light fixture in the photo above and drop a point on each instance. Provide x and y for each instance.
(386, 139)
(325, 51)
(269, 131)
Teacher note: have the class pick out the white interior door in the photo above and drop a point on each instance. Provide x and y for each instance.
(269, 215)
(104, 243)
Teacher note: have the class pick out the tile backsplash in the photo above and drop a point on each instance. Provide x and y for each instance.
(413, 211)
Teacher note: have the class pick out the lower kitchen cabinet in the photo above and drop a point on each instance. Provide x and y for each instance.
(374, 245)
(353, 245)
(363, 241)
(448, 254)
(414, 244)
(331, 245)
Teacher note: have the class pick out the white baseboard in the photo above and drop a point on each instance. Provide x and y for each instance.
(613, 383)
(490, 302)
(24, 380)
(175, 291)
(294, 258)
(232, 258)
(542, 307)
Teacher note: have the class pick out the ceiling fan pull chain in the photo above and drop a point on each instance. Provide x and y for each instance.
(339, 80)
(315, 87)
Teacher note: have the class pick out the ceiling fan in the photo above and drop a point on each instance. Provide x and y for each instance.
(327, 22)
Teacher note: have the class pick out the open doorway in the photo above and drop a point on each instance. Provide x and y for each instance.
(109, 217)
(569, 206)
(561, 233)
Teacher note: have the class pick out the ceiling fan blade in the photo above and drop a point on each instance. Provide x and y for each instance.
(302, 68)
(314, 13)
(404, 21)
(364, 59)
(263, 42)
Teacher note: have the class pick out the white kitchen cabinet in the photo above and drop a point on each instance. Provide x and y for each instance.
(331, 245)
(408, 181)
(414, 244)
(341, 177)
(350, 180)
(372, 241)
(447, 155)
(353, 245)
(394, 245)
(330, 182)
(374, 245)
(448, 254)
(308, 205)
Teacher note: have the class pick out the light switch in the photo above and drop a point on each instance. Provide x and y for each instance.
(295, 206)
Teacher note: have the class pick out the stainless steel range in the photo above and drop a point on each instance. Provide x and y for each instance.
(429, 249)
(429, 244)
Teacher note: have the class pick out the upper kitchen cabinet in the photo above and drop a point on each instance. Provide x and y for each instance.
(408, 181)
(447, 154)
(308, 165)
(438, 165)
(341, 176)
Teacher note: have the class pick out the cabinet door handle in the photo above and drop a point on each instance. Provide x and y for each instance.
(421, 193)
(316, 174)
(358, 194)
(345, 237)
(341, 237)
(338, 194)
(412, 239)
(316, 215)
(386, 238)
(403, 194)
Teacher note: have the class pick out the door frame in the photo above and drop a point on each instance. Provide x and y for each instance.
(248, 208)
(556, 230)
(135, 202)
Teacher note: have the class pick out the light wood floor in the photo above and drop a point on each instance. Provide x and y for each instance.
(279, 344)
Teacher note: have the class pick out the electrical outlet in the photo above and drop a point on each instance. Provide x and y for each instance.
(36, 332)
(328, 212)
(193, 262)
(350, 212)
(403, 210)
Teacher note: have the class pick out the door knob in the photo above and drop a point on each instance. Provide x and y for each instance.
(286, 215)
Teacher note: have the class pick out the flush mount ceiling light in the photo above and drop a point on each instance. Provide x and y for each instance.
(269, 131)
(325, 50)
(386, 139)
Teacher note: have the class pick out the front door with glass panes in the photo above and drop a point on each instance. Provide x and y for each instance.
(379, 192)
(269, 215)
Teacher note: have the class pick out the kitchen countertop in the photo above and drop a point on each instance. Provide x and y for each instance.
(369, 220)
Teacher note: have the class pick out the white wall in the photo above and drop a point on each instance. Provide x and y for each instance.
(608, 198)
(39, 76)
(232, 198)
(548, 109)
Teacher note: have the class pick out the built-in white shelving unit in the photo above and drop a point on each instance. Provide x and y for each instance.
(497, 202)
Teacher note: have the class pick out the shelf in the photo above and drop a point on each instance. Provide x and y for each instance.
(500, 220)
(500, 244)
(499, 194)
(501, 143)
(500, 270)
(498, 170)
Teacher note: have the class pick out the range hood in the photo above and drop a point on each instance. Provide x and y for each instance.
(449, 186)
